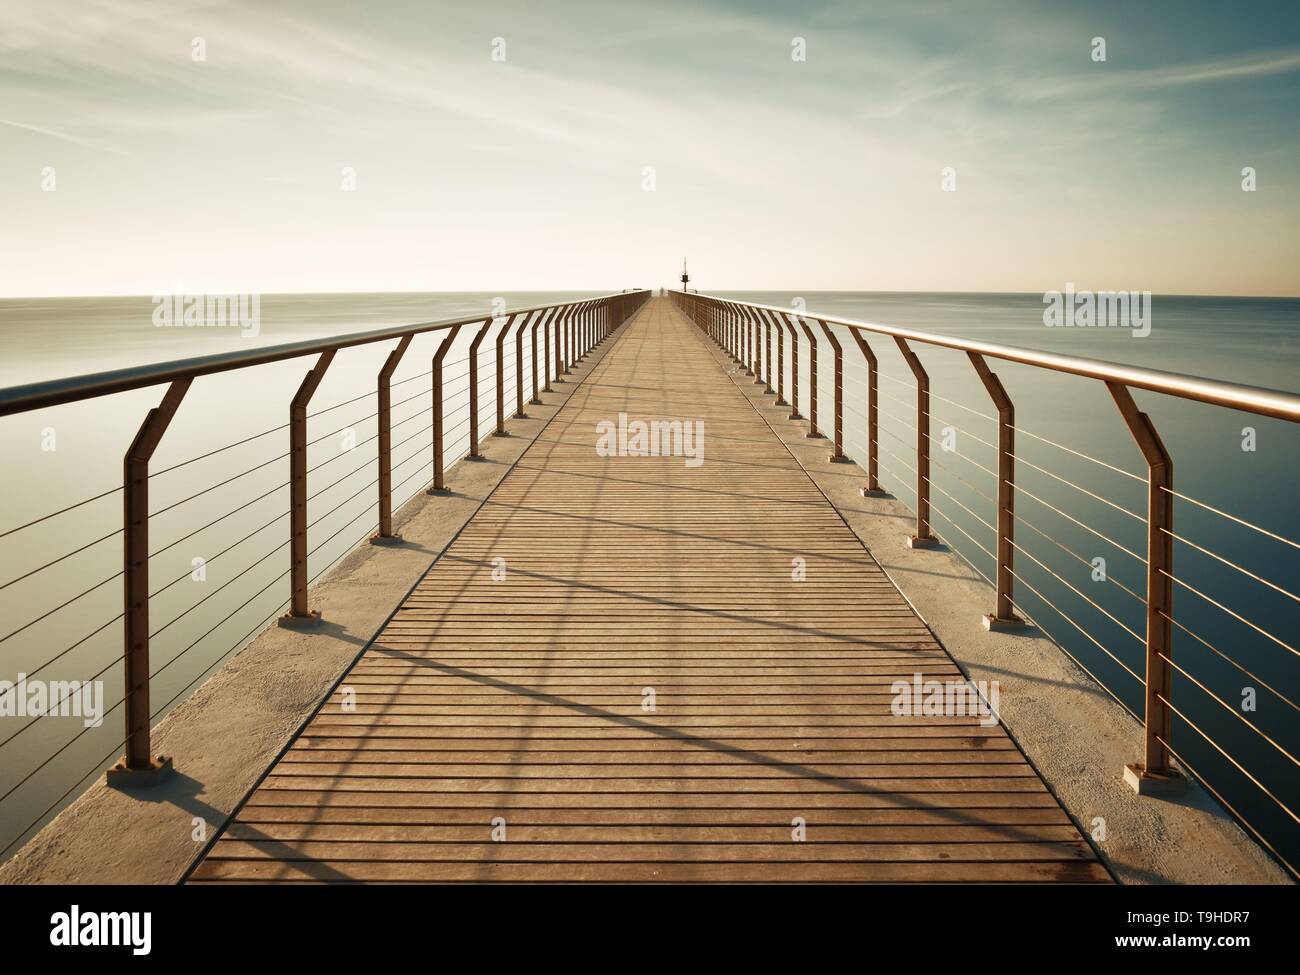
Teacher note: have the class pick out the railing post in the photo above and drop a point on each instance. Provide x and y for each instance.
(922, 538)
(546, 349)
(751, 343)
(746, 338)
(438, 486)
(780, 358)
(794, 368)
(385, 536)
(1003, 616)
(473, 390)
(549, 312)
(500, 431)
(767, 348)
(299, 614)
(559, 341)
(519, 369)
(138, 766)
(813, 432)
(1154, 775)
(837, 454)
(873, 488)
(757, 354)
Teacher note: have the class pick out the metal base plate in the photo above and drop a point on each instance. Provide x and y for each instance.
(121, 777)
(917, 542)
(291, 622)
(1157, 784)
(385, 539)
(838, 459)
(874, 493)
(995, 624)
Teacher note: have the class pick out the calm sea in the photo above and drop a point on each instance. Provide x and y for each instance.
(1249, 667)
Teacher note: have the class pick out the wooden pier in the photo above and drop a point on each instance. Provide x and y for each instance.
(631, 668)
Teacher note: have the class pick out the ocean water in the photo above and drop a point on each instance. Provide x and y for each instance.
(240, 527)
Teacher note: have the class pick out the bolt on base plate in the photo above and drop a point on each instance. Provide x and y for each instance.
(995, 624)
(291, 622)
(1158, 784)
(122, 777)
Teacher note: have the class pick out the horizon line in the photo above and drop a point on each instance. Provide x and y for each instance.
(723, 290)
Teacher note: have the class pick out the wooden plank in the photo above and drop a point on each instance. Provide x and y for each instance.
(511, 687)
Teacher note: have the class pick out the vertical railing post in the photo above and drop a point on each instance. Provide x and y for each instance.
(473, 390)
(794, 368)
(756, 324)
(767, 349)
(519, 368)
(500, 431)
(299, 613)
(546, 349)
(1154, 775)
(548, 313)
(1003, 616)
(138, 765)
(837, 454)
(386, 536)
(813, 432)
(873, 488)
(780, 359)
(568, 337)
(922, 538)
(438, 486)
(746, 330)
(559, 341)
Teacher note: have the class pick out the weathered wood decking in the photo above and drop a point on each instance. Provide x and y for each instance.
(521, 701)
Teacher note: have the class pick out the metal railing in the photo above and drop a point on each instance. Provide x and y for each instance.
(748, 332)
(574, 327)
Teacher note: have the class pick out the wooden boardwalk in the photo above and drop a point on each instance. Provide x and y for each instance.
(648, 693)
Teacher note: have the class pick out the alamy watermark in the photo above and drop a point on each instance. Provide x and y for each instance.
(76, 928)
(209, 311)
(54, 699)
(1098, 309)
(651, 438)
(920, 698)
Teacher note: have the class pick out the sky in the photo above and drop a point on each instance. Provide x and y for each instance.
(451, 146)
